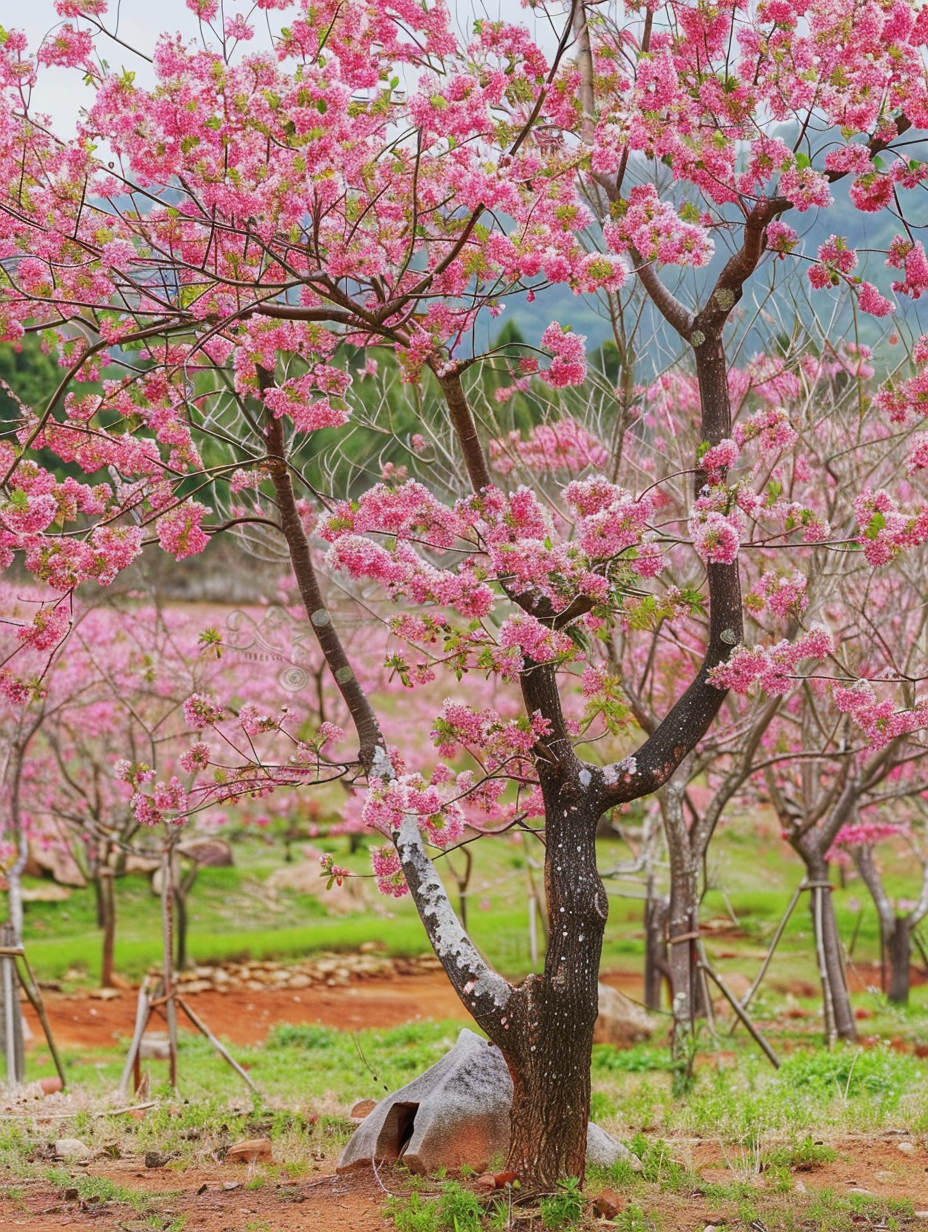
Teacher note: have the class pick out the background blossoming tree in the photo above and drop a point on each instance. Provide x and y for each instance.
(207, 245)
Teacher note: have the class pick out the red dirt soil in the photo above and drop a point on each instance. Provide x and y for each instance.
(215, 1196)
(246, 1017)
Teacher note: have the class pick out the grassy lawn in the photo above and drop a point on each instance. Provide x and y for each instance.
(232, 914)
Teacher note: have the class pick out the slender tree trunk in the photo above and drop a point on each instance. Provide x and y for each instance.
(688, 999)
(686, 994)
(828, 946)
(106, 910)
(180, 928)
(182, 888)
(897, 946)
(895, 931)
(550, 1034)
(656, 958)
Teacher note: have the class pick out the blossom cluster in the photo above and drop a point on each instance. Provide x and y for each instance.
(770, 667)
(880, 721)
(885, 528)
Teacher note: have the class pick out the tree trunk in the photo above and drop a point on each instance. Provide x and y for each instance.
(106, 911)
(897, 948)
(549, 1038)
(895, 931)
(828, 947)
(182, 888)
(656, 958)
(687, 998)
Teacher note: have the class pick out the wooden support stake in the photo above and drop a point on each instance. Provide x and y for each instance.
(752, 1030)
(220, 1048)
(142, 1015)
(33, 992)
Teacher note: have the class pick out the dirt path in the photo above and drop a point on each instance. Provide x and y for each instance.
(79, 1021)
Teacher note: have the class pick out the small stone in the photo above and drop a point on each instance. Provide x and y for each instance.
(50, 1086)
(104, 994)
(608, 1204)
(72, 1148)
(907, 1148)
(250, 1151)
(363, 1108)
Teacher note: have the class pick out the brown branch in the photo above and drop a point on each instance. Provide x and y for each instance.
(465, 429)
(370, 737)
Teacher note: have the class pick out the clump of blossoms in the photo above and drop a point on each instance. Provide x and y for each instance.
(886, 529)
(717, 536)
(389, 802)
(782, 592)
(568, 365)
(388, 872)
(771, 429)
(180, 531)
(202, 711)
(654, 230)
(770, 668)
(166, 804)
(499, 741)
(909, 256)
(880, 721)
(907, 399)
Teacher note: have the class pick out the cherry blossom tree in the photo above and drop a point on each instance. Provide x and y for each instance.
(213, 236)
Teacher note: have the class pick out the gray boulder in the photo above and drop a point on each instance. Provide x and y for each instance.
(455, 1114)
(621, 1022)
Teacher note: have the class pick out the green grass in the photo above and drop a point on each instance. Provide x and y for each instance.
(232, 915)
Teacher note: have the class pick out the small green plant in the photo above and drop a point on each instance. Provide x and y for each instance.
(633, 1219)
(413, 1213)
(459, 1210)
(658, 1167)
(564, 1208)
(800, 1156)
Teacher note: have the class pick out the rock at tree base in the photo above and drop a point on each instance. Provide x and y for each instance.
(455, 1114)
(56, 859)
(621, 1021)
(209, 852)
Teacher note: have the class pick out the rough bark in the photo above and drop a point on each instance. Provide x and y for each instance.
(550, 1033)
